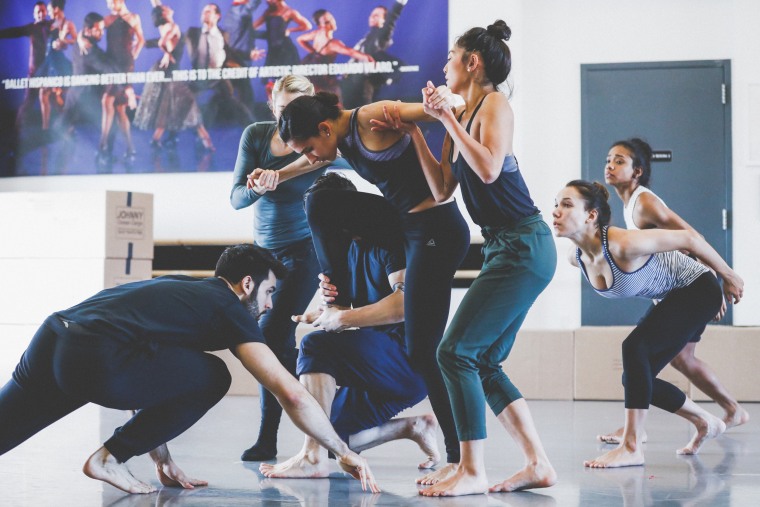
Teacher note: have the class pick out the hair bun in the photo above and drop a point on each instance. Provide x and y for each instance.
(500, 30)
(327, 98)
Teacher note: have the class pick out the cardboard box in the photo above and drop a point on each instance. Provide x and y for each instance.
(35, 288)
(541, 364)
(109, 224)
(732, 353)
(599, 364)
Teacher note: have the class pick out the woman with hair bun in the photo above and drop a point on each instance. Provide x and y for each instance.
(434, 235)
(628, 170)
(520, 258)
(619, 263)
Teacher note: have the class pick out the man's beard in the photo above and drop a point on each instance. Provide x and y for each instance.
(252, 305)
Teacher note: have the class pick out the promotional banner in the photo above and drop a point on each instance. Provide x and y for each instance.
(131, 86)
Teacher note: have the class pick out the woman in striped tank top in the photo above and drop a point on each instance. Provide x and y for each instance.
(628, 170)
(619, 263)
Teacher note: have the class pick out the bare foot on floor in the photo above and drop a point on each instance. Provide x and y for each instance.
(621, 456)
(104, 467)
(300, 466)
(540, 475)
(437, 476)
(458, 484)
(616, 437)
(423, 430)
(736, 418)
(707, 428)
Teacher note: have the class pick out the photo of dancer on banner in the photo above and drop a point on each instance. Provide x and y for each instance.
(131, 86)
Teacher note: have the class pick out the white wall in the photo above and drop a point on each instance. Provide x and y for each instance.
(551, 38)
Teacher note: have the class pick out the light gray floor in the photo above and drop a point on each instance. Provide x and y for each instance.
(46, 470)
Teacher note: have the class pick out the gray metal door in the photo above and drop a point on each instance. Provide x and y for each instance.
(682, 109)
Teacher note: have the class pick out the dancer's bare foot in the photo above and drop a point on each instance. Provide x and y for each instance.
(617, 436)
(441, 474)
(707, 428)
(535, 475)
(423, 430)
(301, 466)
(461, 482)
(736, 417)
(104, 467)
(621, 456)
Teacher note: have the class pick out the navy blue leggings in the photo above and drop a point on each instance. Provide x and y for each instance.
(291, 297)
(435, 243)
(660, 336)
(63, 369)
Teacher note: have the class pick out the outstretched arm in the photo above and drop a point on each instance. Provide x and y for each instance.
(263, 180)
(302, 408)
(338, 46)
(439, 177)
(633, 244)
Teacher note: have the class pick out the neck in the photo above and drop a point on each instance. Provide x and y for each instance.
(342, 123)
(625, 191)
(590, 242)
(474, 94)
(232, 287)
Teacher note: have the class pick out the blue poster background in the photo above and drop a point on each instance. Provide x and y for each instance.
(419, 49)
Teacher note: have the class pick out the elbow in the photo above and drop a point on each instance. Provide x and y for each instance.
(489, 177)
(293, 399)
(441, 197)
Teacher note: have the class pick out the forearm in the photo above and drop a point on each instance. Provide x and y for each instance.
(309, 417)
(299, 167)
(389, 310)
(160, 455)
(707, 254)
(242, 196)
(441, 181)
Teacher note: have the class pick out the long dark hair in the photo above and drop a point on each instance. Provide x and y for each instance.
(301, 118)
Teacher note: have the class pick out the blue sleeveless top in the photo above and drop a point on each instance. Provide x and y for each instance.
(662, 273)
(395, 170)
(502, 203)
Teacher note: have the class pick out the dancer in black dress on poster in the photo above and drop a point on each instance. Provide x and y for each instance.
(280, 47)
(169, 105)
(124, 37)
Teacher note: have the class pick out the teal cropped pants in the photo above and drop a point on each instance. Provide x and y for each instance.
(519, 263)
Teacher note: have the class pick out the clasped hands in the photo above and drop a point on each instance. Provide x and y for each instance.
(327, 316)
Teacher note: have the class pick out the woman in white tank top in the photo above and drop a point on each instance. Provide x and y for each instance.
(628, 171)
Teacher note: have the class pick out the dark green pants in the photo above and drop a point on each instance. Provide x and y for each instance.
(519, 264)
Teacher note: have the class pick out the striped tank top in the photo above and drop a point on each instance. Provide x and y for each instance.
(662, 273)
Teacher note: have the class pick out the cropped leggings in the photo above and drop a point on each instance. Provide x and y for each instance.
(291, 297)
(519, 263)
(660, 336)
(62, 370)
(435, 242)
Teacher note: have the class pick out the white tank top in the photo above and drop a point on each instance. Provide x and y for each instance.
(628, 210)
